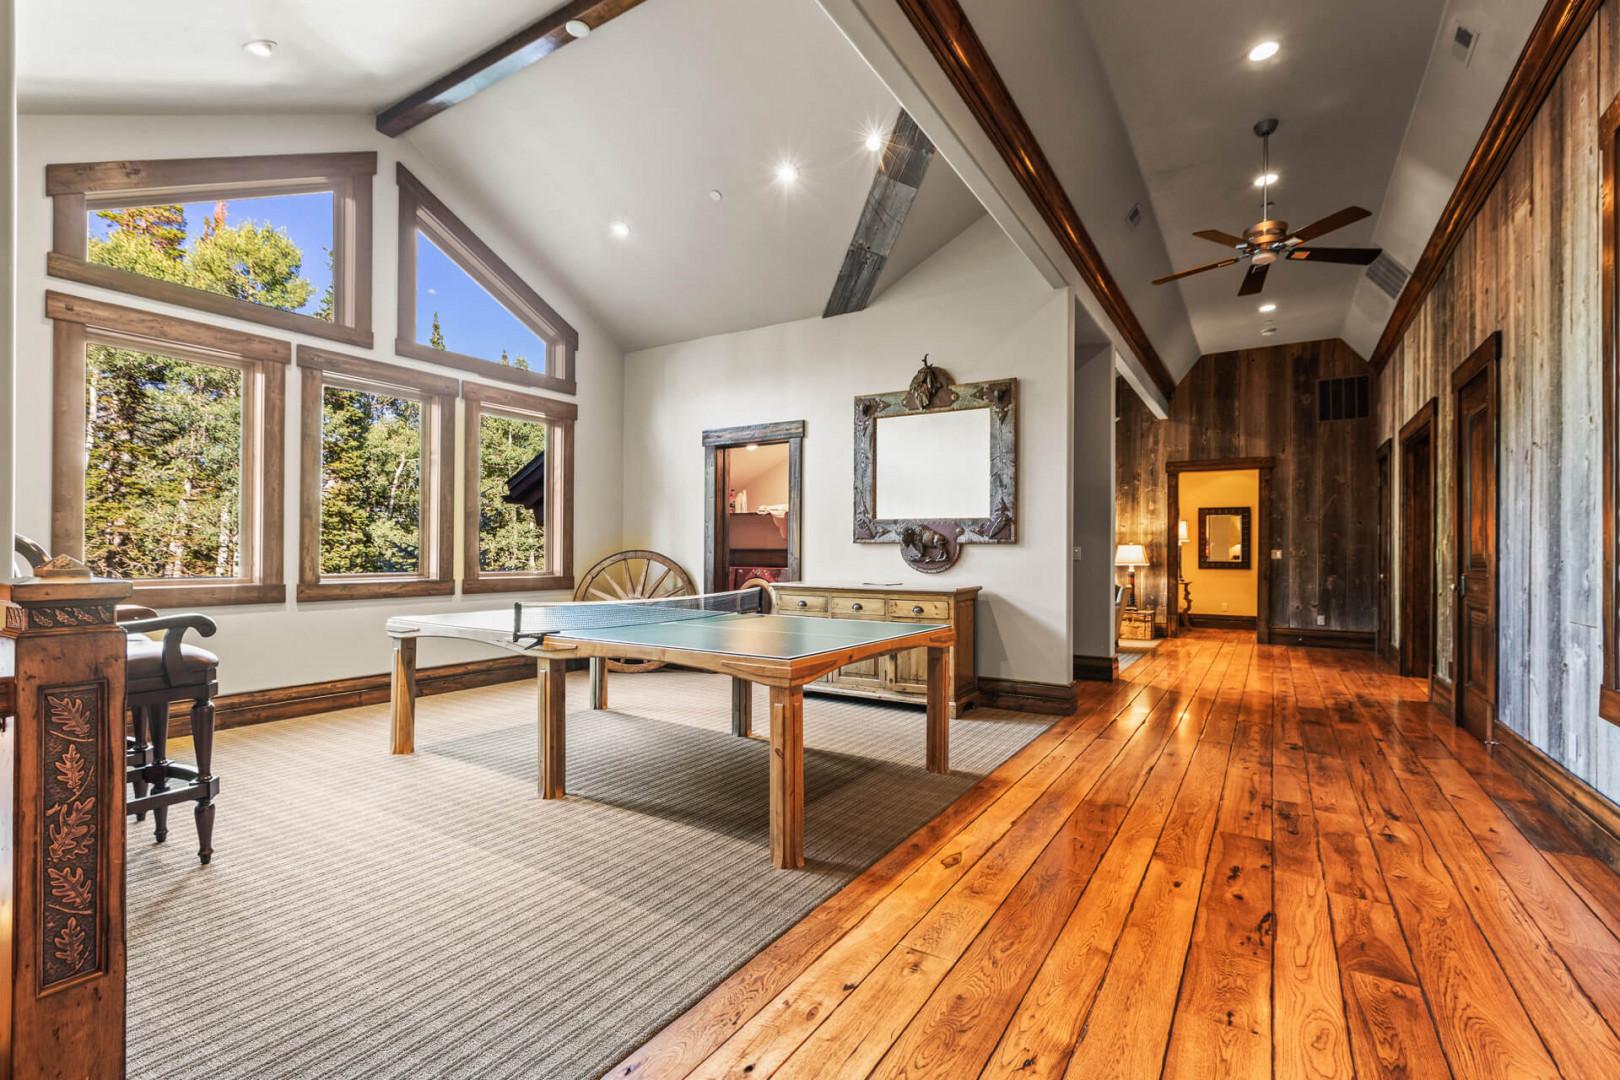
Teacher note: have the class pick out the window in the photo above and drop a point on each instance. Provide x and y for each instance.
(504, 546)
(167, 453)
(461, 306)
(376, 476)
(279, 240)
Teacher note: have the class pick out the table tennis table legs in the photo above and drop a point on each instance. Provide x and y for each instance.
(402, 693)
(599, 673)
(552, 677)
(787, 777)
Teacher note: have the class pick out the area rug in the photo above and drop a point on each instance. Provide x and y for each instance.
(368, 915)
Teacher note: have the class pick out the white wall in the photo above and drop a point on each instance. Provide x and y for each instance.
(1093, 457)
(981, 312)
(8, 259)
(291, 643)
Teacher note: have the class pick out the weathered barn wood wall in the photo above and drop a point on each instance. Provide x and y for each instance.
(1262, 403)
(1529, 267)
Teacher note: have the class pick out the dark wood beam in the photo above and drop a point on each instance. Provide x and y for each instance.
(899, 175)
(945, 29)
(523, 49)
(1552, 40)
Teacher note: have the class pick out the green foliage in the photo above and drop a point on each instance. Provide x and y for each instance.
(371, 483)
(163, 468)
(436, 336)
(509, 538)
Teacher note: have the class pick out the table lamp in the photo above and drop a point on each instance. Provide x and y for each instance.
(1130, 556)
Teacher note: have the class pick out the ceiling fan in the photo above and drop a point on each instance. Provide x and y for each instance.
(1268, 241)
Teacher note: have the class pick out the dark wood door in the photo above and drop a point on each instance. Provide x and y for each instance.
(1474, 386)
(1417, 545)
(1383, 551)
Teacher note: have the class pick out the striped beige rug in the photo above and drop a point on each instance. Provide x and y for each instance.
(376, 916)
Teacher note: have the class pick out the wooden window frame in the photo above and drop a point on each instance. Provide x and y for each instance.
(420, 209)
(559, 416)
(1609, 152)
(79, 322)
(77, 189)
(322, 368)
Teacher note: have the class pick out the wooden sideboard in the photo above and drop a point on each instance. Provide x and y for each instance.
(902, 676)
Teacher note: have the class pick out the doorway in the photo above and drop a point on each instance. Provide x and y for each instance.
(1417, 544)
(753, 527)
(1473, 386)
(1218, 545)
(1382, 645)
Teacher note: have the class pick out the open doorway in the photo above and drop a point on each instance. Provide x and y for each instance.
(1416, 618)
(755, 502)
(1218, 547)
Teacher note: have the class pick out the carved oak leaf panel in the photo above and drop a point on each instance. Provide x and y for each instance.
(70, 890)
(73, 747)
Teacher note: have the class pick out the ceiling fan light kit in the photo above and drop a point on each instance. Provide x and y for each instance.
(1269, 240)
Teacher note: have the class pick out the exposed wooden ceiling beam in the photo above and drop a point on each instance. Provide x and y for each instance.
(900, 173)
(1552, 40)
(524, 48)
(945, 29)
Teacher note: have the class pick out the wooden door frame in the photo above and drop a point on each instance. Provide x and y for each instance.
(1482, 359)
(1384, 463)
(1422, 423)
(790, 432)
(1261, 539)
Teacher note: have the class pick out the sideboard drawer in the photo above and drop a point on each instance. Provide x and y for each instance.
(790, 604)
(855, 607)
(927, 610)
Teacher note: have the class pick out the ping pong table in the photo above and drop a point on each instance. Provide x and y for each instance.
(728, 633)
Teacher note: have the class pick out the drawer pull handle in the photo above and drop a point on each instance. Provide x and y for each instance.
(855, 606)
(916, 609)
(804, 603)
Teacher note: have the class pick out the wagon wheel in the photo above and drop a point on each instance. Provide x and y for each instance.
(634, 575)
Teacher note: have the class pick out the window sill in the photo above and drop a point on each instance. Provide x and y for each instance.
(162, 595)
(1609, 705)
(372, 589)
(70, 268)
(488, 583)
(489, 369)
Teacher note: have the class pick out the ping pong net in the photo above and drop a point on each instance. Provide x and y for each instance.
(534, 622)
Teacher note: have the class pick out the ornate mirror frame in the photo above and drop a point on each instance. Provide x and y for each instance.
(1243, 514)
(933, 391)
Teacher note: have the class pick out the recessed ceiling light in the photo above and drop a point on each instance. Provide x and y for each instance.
(1265, 180)
(1264, 51)
(577, 28)
(1267, 308)
(260, 47)
(619, 229)
(1268, 331)
(751, 447)
(874, 141)
(715, 194)
(787, 172)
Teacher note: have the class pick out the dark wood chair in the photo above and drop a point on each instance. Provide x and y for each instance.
(157, 675)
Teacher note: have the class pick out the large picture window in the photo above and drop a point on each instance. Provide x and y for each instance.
(460, 305)
(280, 240)
(376, 477)
(167, 453)
(505, 547)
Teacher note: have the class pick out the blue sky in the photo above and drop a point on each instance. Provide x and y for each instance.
(474, 322)
(307, 220)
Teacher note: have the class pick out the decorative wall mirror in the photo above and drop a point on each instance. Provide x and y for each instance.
(1223, 538)
(936, 467)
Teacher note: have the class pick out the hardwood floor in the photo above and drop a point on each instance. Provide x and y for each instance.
(1238, 860)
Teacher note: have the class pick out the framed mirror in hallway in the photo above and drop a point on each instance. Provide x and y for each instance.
(1416, 650)
(1473, 388)
(1227, 503)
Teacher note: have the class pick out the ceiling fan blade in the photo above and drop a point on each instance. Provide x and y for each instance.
(1254, 280)
(1349, 256)
(1195, 270)
(1225, 239)
(1348, 216)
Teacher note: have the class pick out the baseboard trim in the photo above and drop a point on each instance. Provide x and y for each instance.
(1049, 699)
(1441, 694)
(1586, 811)
(306, 699)
(1321, 638)
(1096, 668)
(1199, 621)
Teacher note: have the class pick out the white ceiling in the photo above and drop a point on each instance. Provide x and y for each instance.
(1343, 87)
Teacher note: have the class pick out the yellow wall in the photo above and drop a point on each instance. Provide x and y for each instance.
(1220, 592)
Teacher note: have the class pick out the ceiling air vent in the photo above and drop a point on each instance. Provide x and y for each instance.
(1343, 399)
(1388, 275)
(1133, 217)
(1463, 41)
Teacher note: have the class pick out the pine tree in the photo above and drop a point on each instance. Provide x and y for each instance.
(506, 361)
(436, 336)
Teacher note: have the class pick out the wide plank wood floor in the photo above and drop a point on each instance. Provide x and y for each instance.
(1239, 860)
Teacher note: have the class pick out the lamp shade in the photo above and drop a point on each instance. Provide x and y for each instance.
(1130, 555)
(1181, 531)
